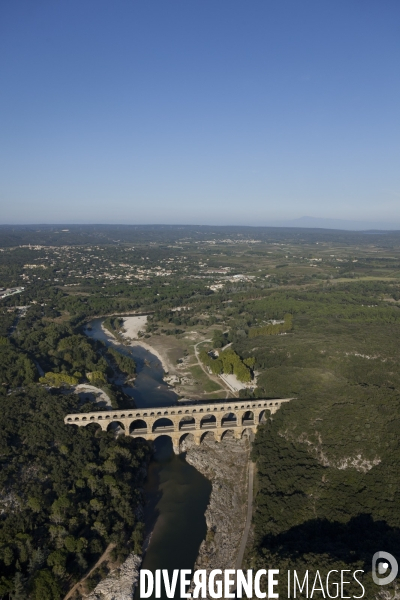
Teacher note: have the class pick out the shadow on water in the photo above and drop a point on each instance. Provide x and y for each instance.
(178, 496)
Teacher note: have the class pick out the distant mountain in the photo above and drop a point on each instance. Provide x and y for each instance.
(316, 223)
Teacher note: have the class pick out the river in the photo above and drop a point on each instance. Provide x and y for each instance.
(177, 494)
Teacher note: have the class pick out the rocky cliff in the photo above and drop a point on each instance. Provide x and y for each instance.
(121, 583)
(226, 465)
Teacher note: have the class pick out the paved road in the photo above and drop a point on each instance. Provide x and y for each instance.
(246, 530)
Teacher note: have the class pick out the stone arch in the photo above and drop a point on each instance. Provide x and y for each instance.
(247, 416)
(188, 422)
(229, 418)
(116, 427)
(138, 426)
(140, 439)
(162, 422)
(185, 437)
(228, 434)
(263, 415)
(94, 427)
(163, 434)
(209, 435)
(209, 420)
(246, 432)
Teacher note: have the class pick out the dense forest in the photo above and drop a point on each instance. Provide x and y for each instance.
(72, 492)
(328, 462)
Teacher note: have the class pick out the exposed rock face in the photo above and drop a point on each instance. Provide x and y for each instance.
(121, 583)
(225, 464)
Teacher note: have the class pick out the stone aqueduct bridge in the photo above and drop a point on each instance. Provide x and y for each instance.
(178, 421)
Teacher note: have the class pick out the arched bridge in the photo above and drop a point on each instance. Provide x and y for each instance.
(178, 421)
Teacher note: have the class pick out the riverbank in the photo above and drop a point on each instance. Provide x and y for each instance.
(162, 356)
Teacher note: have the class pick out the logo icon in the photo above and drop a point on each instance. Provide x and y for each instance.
(381, 563)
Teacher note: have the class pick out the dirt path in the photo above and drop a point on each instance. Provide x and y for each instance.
(246, 530)
(102, 559)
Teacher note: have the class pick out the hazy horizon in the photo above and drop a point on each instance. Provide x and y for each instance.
(301, 223)
(200, 112)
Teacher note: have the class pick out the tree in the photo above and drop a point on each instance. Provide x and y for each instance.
(218, 339)
(58, 379)
(250, 362)
(45, 586)
(19, 592)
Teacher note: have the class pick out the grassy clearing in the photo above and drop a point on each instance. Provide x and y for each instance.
(207, 384)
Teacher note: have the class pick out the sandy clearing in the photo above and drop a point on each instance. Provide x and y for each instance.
(132, 326)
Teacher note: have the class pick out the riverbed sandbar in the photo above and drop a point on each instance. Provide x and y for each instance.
(132, 326)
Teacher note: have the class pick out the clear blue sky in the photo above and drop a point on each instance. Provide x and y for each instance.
(199, 111)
